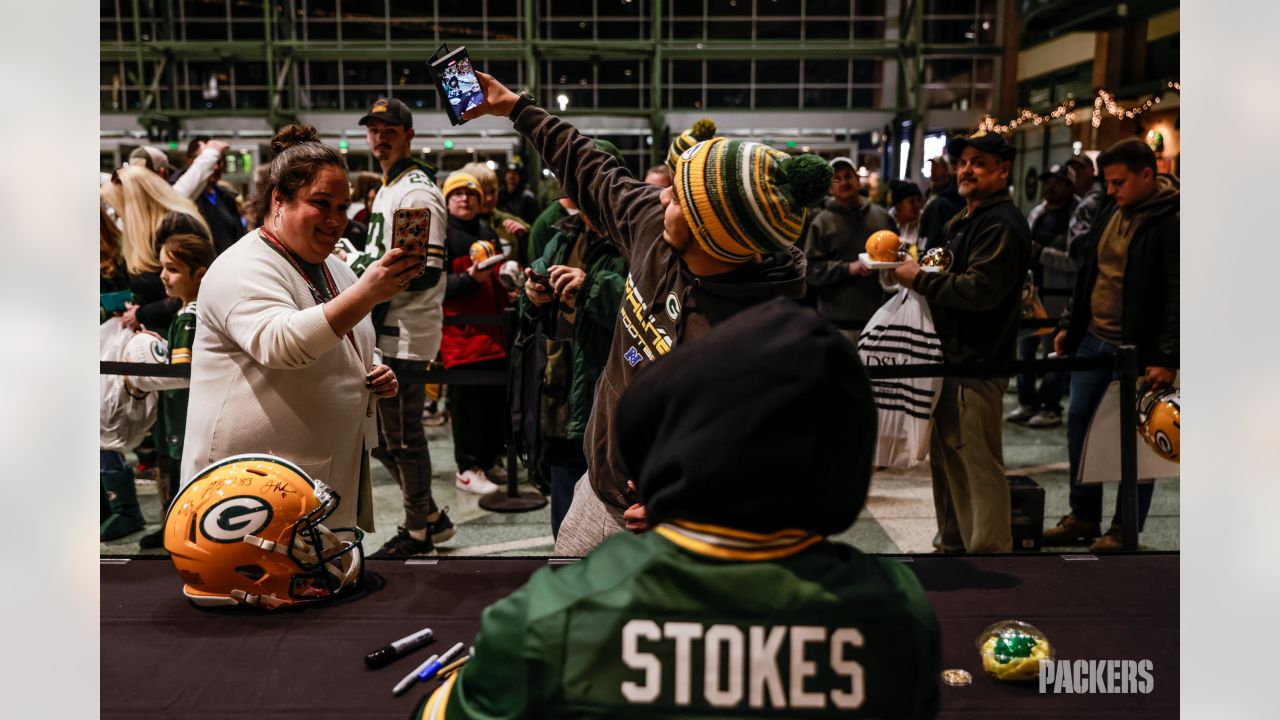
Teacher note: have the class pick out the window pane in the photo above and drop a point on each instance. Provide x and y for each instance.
(205, 9)
(503, 30)
(199, 100)
(364, 31)
(686, 30)
(411, 8)
(825, 71)
(685, 99)
(873, 7)
(569, 29)
(570, 72)
(251, 73)
(419, 98)
(827, 7)
(409, 30)
(827, 97)
(777, 71)
(777, 30)
(322, 9)
(729, 30)
(621, 9)
(828, 30)
(323, 72)
(363, 9)
(216, 30)
(364, 73)
(625, 72)
(685, 72)
(245, 9)
(324, 99)
(506, 70)
(868, 29)
(866, 71)
(322, 30)
(459, 8)
(360, 99)
(611, 98)
(622, 30)
(741, 8)
(250, 30)
(107, 30)
(729, 71)
(410, 72)
(774, 7)
(728, 97)
(251, 99)
(503, 8)
(777, 98)
(865, 98)
(948, 70)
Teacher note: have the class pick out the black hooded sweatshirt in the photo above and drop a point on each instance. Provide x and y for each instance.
(663, 303)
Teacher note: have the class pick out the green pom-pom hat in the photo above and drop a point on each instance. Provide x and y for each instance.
(743, 199)
(702, 130)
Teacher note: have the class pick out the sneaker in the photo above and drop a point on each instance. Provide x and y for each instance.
(1045, 419)
(404, 545)
(473, 480)
(435, 419)
(1113, 541)
(153, 539)
(1071, 530)
(1020, 415)
(442, 529)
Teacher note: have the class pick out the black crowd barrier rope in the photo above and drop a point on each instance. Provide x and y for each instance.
(1124, 363)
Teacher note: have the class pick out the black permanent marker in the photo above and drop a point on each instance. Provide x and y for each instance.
(403, 646)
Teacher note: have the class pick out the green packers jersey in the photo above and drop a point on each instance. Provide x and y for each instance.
(171, 424)
(696, 621)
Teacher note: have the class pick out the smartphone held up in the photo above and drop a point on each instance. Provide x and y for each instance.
(456, 81)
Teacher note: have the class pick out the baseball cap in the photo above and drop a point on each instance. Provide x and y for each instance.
(982, 141)
(389, 110)
(150, 157)
(842, 160)
(1059, 170)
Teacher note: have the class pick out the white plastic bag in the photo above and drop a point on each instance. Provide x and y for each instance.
(124, 417)
(901, 333)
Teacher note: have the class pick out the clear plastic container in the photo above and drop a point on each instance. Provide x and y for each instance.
(1011, 650)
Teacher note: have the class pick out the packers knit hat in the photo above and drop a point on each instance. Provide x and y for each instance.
(742, 198)
(461, 181)
(389, 110)
(704, 129)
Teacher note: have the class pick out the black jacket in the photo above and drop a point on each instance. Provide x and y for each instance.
(976, 303)
(222, 216)
(937, 213)
(1149, 318)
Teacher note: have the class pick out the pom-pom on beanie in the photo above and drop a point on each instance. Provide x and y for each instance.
(743, 198)
(704, 129)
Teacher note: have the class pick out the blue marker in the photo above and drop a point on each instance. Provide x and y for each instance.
(412, 677)
(434, 667)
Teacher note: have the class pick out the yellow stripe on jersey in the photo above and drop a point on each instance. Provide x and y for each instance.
(703, 546)
(435, 707)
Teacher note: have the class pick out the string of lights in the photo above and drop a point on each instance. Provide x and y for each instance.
(1103, 103)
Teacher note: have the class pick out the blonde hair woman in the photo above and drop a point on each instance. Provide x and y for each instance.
(151, 211)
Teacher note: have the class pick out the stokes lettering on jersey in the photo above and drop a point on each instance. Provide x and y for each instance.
(680, 664)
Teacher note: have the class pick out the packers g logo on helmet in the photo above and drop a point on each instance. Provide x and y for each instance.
(249, 531)
(231, 520)
(1160, 420)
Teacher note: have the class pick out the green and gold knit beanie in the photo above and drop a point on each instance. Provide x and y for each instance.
(704, 129)
(742, 198)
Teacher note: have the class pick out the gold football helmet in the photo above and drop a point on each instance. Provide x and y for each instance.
(1159, 419)
(938, 257)
(249, 531)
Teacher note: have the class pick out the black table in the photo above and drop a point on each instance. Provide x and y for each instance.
(163, 658)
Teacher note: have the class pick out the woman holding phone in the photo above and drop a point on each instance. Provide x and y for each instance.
(284, 351)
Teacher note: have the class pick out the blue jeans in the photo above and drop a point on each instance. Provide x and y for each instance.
(1052, 387)
(1087, 389)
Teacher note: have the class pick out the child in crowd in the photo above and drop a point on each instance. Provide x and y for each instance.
(477, 410)
(184, 259)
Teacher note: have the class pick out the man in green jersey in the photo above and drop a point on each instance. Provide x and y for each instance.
(749, 448)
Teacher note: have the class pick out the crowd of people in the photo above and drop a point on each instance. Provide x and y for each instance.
(307, 286)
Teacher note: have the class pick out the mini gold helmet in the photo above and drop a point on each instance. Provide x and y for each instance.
(939, 257)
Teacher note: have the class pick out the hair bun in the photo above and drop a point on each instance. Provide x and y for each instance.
(291, 135)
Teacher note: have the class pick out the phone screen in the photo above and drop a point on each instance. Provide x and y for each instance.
(457, 82)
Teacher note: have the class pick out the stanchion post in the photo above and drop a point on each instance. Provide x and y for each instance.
(512, 500)
(1127, 359)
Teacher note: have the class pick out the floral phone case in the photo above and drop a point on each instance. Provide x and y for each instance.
(410, 230)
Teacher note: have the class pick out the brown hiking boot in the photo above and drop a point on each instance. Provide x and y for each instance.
(1113, 541)
(1071, 530)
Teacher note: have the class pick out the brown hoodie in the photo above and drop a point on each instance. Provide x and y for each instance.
(662, 303)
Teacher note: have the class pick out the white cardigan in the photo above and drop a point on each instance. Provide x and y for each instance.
(269, 375)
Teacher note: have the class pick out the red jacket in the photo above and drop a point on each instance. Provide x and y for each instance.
(468, 344)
